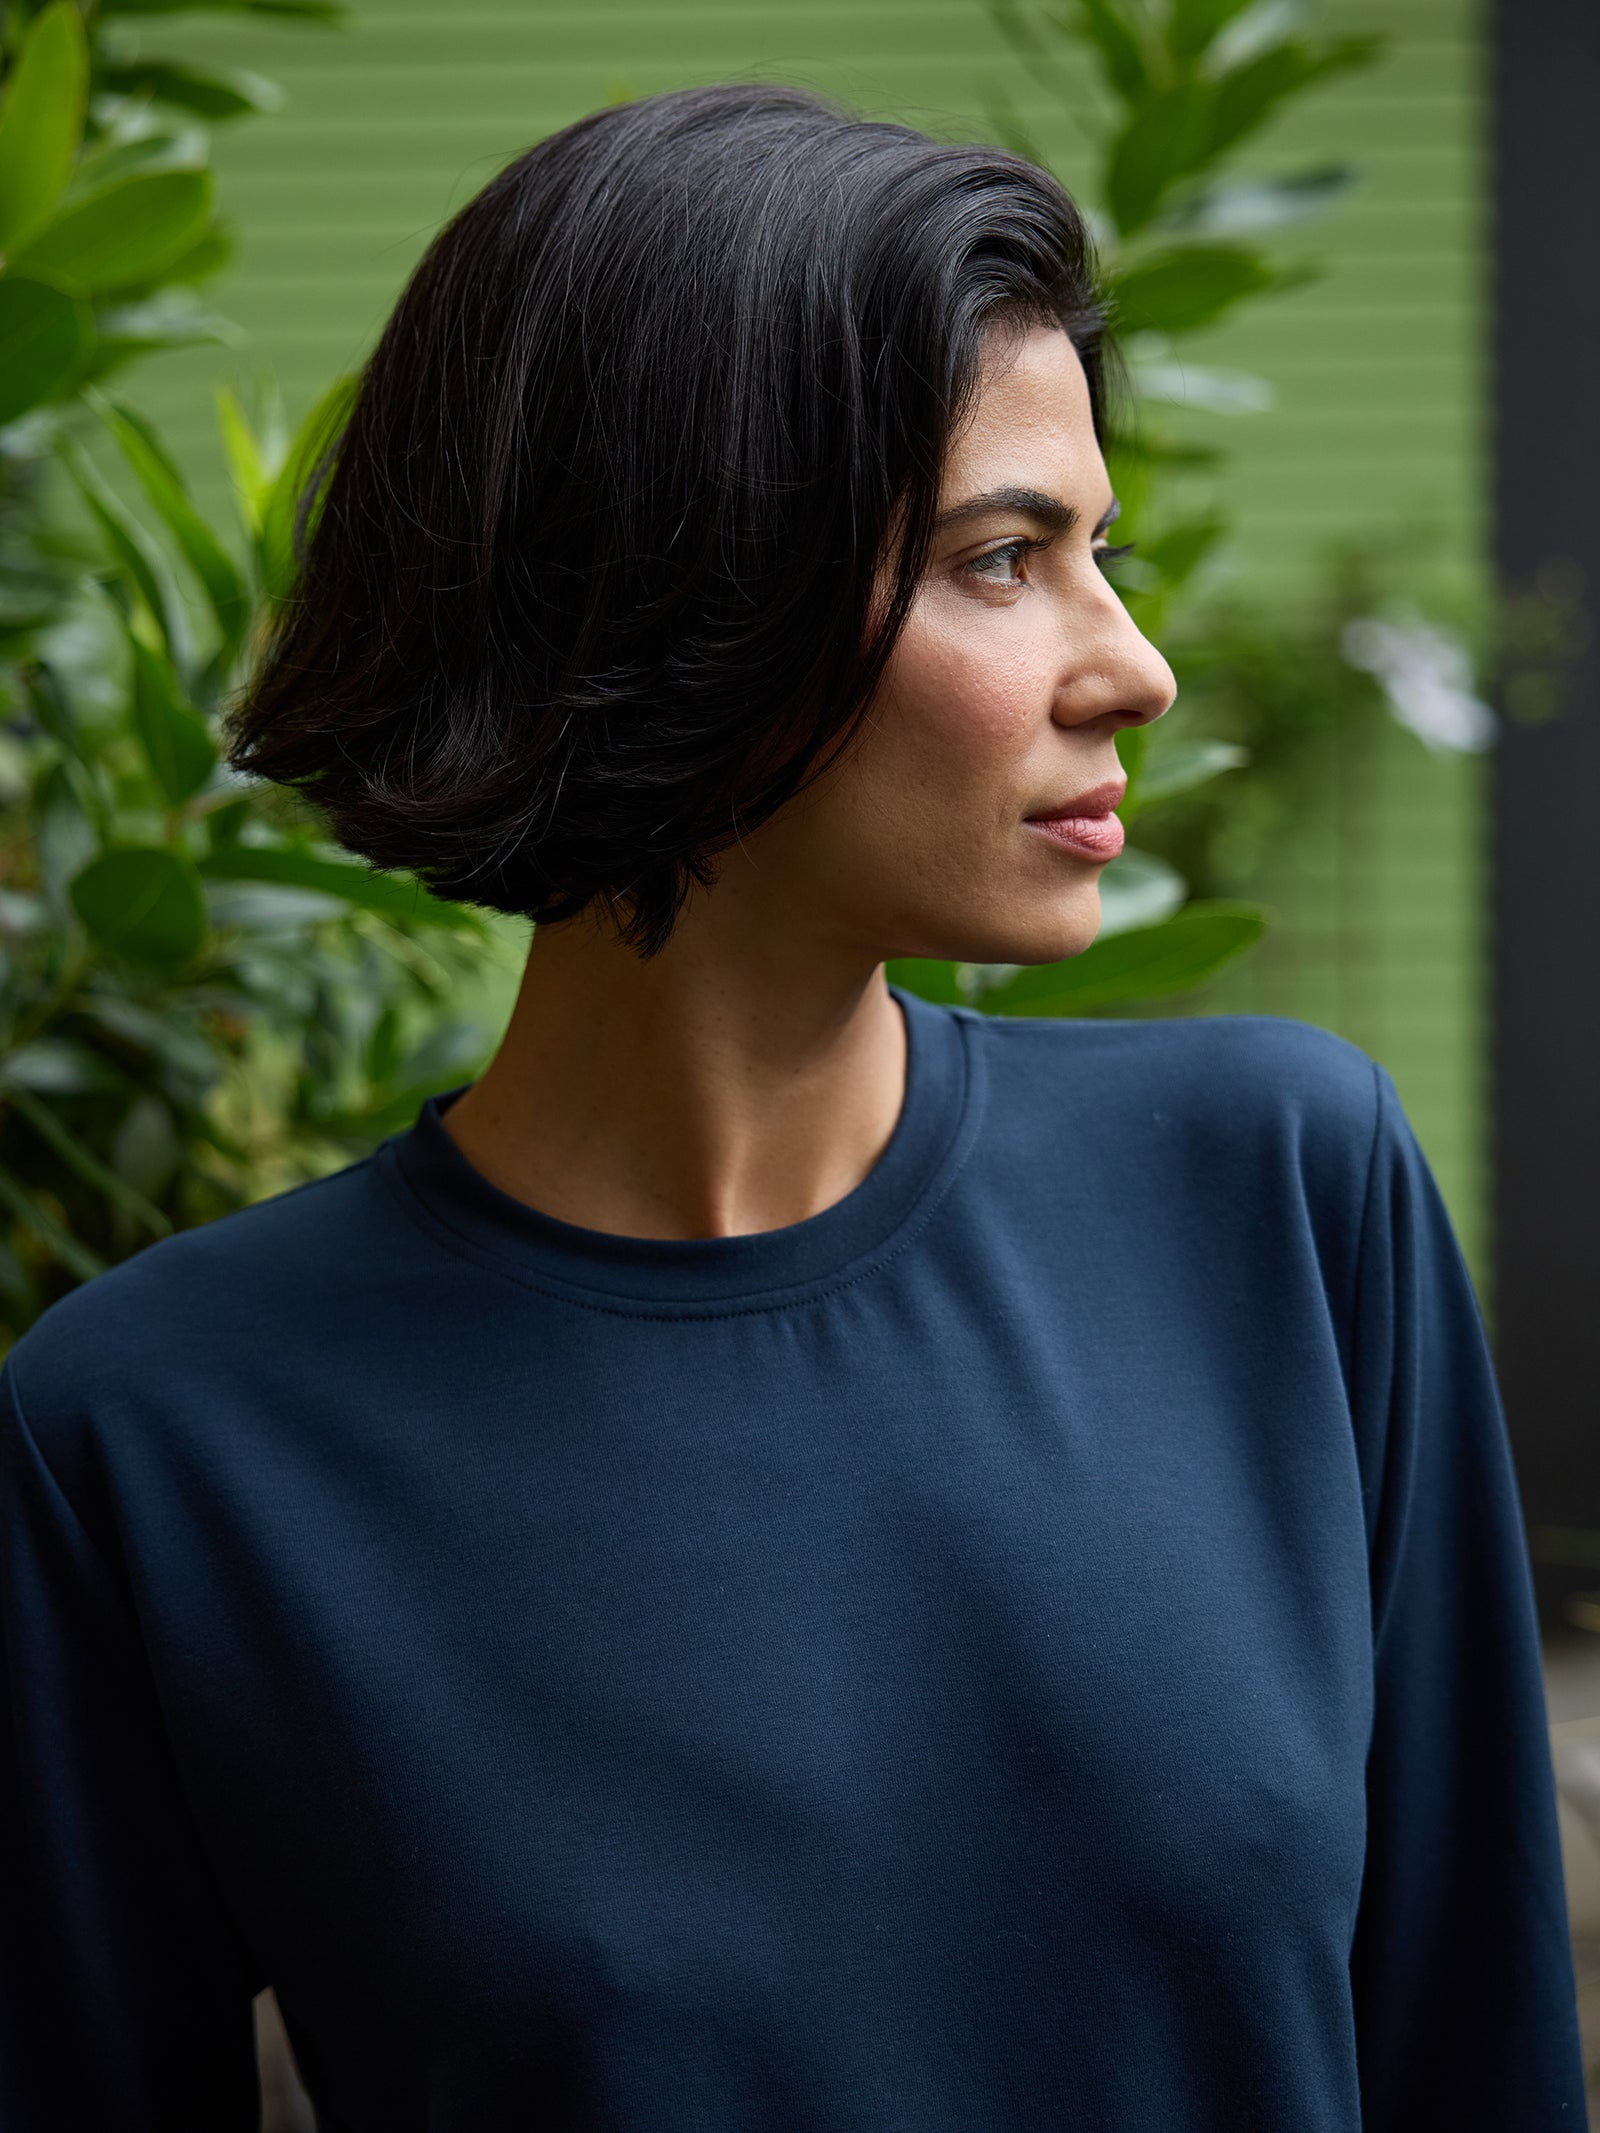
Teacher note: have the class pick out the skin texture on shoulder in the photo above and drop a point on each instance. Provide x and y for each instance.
(750, 1074)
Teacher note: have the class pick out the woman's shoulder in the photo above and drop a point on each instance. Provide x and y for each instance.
(1215, 1094)
(245, 1279)
(1245, 1065)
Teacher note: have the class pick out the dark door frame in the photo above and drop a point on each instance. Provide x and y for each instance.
(1545, 858)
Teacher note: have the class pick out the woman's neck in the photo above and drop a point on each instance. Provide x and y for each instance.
(739, 1081)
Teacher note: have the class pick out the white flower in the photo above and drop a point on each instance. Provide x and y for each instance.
(1427, 677)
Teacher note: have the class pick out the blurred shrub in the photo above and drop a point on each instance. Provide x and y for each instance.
(200, 1000)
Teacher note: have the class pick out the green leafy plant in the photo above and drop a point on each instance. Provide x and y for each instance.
(1177, 88)
(200, 999)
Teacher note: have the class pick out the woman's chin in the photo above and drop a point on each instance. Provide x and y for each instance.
(1028, 941)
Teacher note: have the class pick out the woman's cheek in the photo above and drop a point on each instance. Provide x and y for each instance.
(978, 688)
(991, 707)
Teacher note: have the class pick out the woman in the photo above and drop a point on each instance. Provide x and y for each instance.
(788, 1557)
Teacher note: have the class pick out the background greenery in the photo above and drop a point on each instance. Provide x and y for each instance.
(204, 1000)
(201, 1000)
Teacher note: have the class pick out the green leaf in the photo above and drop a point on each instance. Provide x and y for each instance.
(60, 1243)
(180, 750)
(1102, 24)
(1133, 454)
(1196, 22)
(1267, 23)
(125, 233)
(131, 546)
(119, 155)
(42, 121)
(1137, 889)
(53, 708)
(1180, 766)
(60, 1138)
(209, 253)
(1179, 552)
(1166, 138)
(296, 492)
(223, 824)
(161, 480)
(383, 1046)
(1133, 749)
(45, 332)
(1246, 97)
(1154, 960)
(1005, 124)
(172, 319)
(927, 978)
(1022, 33)
(252, 464)
(1260, 205)
(390, 895)
(211, 93)
(64, 834)
(242, 449)
(142, 902)
(1179, 290)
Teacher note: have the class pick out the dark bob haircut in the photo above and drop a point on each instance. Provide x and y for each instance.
(589, 587)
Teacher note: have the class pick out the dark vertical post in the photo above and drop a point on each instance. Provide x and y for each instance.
(1545, 88)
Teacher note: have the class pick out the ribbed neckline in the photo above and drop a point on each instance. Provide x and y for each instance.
(938, 1118)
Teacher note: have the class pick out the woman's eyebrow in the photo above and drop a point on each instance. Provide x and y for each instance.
(1048, 511)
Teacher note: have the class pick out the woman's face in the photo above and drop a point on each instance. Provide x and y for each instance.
(1017, 665)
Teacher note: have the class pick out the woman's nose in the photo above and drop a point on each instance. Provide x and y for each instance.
(1132, 683)
(1151, 686)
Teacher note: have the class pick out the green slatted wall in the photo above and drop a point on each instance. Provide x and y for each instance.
(1377, 369)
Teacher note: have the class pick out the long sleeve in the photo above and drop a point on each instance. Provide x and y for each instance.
(1461, 1967)
(125, 1991)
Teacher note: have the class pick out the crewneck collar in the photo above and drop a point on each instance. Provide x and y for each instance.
(698, 1276)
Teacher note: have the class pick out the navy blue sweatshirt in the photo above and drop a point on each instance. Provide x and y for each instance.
(1046, 1643)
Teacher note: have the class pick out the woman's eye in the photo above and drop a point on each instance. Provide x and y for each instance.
(999, 566)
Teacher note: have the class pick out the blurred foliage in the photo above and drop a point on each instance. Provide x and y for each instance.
(1179, 88)
(1282, 688)
(200, 1000)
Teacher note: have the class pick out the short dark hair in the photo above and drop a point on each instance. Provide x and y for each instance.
(589, 589)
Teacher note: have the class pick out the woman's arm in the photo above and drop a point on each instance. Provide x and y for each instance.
(1461, 1966)
(125, 1988)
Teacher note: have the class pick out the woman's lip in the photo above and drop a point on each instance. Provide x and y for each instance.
(1098, 800)
(1086, 824)
(1090, 836)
